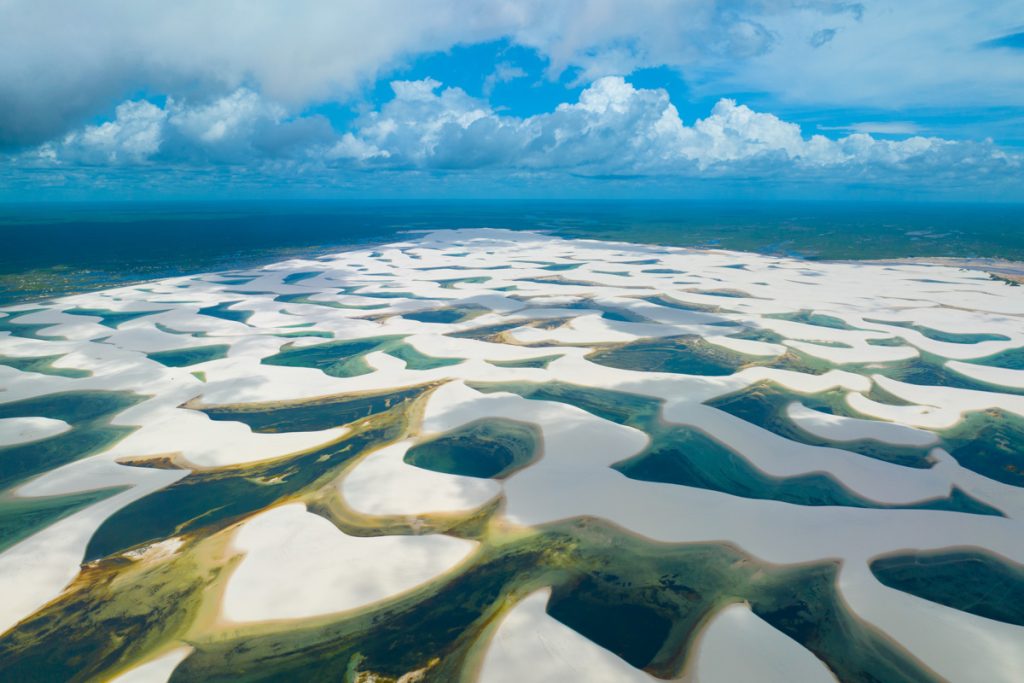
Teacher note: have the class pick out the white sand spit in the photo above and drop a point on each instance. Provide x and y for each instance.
(531, 646)
(840, 428)
(156, 670)
(298, 564)
(737, 645)
(383, 484)
(19, 430)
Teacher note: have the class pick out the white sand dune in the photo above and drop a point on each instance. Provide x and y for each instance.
(37, 569)
(957, 645)
(737, 645)
(986, 373)
(531, 646)
(298, 565)
(840, 428)
(384, 484)
(20, 430)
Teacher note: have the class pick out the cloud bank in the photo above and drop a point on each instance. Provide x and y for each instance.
(63, 62)
(613, 129)
(100, 93)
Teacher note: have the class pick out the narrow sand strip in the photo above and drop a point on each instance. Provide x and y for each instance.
(531, 646)
(737, 645)
(841, 428)
(157, 670)
(20, 430)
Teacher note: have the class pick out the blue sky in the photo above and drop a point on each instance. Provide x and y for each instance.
(418, 98)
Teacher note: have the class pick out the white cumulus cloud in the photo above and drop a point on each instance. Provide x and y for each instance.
(614, 128)
(617, 128)
(63, 62)
(134, 135)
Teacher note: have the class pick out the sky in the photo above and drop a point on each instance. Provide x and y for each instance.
(881, 99)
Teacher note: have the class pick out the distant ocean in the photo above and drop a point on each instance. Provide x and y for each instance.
(56, 249)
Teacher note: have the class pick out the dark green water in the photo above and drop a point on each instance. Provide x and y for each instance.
(310, 415)
(541, 362)
(22, 517)
(942, 335)
(180, 358)
(216, 497)
(89, 414)
(42, 365)
(765, 406)
(973, 581)
(347, 358)
(643, 601)
(109, 318)
(683, 355)
(686, 456)
(488, 449)
(811, 318)
(224, 311)
(54, 249)
(455, 314)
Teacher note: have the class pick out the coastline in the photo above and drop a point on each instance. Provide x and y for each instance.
(74, 248)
